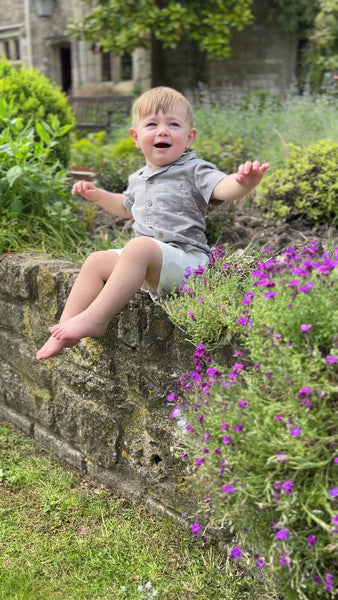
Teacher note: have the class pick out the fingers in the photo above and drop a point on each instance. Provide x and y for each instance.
(83, 188)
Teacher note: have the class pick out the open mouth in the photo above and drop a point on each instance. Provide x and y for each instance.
(162, 145)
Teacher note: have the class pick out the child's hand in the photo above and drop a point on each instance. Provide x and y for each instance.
(85, 188)
(251, 173)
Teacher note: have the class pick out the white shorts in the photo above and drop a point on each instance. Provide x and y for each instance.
(175, 261)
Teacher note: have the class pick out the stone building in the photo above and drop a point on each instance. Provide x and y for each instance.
(34, 33)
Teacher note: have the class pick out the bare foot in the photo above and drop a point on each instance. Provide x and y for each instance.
(53, 347)
(82, 325)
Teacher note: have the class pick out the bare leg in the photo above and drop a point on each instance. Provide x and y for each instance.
(90, 281)
(141, 260)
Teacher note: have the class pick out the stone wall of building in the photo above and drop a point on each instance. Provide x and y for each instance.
(101, 406)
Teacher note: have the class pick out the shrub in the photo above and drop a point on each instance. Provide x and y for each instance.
(223, 150)
(34, 97)
(34, 189)
(307, 187)
(260, 437)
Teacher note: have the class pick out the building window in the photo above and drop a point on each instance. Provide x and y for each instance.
(126, 67)
(106, 67)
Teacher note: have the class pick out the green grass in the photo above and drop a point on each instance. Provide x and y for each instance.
(63, 537)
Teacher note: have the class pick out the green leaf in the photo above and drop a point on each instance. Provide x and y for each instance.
(42, 133)
(13, 174)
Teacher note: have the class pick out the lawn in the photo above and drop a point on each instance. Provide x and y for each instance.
(64, 537)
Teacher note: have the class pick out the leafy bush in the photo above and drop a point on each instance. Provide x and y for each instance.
(34, 189)
(223, 150)
(33, 97)
(260, 437)
(307, 187)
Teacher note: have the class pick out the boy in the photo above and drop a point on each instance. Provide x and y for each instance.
(168, 201)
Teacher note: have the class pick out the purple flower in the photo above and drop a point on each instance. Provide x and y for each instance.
(238, 353)
(305, 391)
(311, 540)
(242, 403)
(270, 294)
(172, 397)
(287, 487)
(331, 358)
(333, 492)
(224, 426)
(282, 456)
(228, 489)
(191, 315)
(238, 427)
(279, 417)
(196, 528)
(295, 431)
(268, 374)
(305, 327)
(317, 579)
(206, 436)
(285, 559)
(328, 582)
(306, 287)
(293, 283)
(241, 320)
(236, 552)
(260, 562)
(226, 439)
(282, 534)
(175, 412)
(199, 461)
(335, 520)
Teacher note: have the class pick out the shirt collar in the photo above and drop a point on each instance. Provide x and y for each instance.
(147, 172)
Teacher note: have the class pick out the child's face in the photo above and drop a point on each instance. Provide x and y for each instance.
(163, 137)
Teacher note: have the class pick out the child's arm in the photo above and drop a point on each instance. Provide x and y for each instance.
(112, 203)
(237, 185)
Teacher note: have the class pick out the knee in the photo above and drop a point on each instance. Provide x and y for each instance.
(94, 259)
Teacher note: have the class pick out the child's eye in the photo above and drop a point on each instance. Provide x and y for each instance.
(174, 124)
(151, 124)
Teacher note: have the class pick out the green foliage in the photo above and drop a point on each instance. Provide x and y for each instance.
(34, 189)
(64, 537)
(321, 57)
(307, 187)
(124, 26)
(208, 299)
(222, 149)
(32, 97)
(260, 435)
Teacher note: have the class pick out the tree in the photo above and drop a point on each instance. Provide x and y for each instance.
(124, 25)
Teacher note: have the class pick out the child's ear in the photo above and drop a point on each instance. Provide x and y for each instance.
(134, 135)
(191, 137)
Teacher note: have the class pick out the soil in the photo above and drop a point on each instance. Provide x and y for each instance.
(241, 227)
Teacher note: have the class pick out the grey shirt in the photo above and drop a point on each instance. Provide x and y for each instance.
(170, 204)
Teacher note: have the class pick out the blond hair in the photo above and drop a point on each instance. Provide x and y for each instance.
(160, 99)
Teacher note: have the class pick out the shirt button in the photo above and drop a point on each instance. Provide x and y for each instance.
(149, 203)
(160, 236)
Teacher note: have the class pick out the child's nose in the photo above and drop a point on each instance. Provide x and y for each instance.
(163, 129)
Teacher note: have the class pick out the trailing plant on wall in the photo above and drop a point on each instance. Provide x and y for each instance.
(260, 438)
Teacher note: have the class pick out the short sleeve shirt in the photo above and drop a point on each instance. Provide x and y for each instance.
(170, 204)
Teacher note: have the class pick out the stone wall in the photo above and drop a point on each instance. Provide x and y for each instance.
(102, 406)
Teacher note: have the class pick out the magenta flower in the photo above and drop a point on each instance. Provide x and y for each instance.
(282, 534)
(306, 287)
(317, 579)
(305, 327)
(224, 426)
(238, 427)
(311, 540)
(226, 439)
(260, 562)
(305, 391)
(191, 315)
(242, 404)
(199, 461)
(228, 489)
(241, 320)
(282, 456)
(270, 294)
(335, 520)
(295, 431)
(333, 492)
(285, 559)
(328, 582)
(196, 528)
(175, 412)
(287, 487)
(236, 552)
(331, 358)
